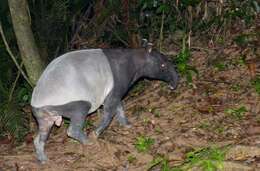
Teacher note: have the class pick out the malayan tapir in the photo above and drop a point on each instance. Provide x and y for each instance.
(79, 82)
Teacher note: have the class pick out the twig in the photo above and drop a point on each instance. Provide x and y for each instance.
(57, 51)
(118, 37)
(216, 81)
(189, 39)
(161, 31)
(204, 49)
(12, 56)
(77, 26)
(14, 84)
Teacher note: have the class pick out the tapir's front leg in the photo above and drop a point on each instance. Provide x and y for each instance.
(110, 107)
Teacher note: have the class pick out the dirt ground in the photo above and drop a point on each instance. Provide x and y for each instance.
(191, 117)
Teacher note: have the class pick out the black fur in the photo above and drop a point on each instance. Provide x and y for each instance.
(129, 65)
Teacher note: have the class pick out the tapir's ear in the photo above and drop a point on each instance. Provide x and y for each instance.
(149, 47)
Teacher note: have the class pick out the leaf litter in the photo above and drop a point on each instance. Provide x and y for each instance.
(221, 109)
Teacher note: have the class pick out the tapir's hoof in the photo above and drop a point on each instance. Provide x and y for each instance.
(42, 162)
(97, 133)
(42, 159)
(94, 135)
(128, 126)
(125, 124)
(87, 141)
(123, 121)
(83, 139)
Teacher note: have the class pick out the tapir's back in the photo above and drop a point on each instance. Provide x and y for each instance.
(79, 75)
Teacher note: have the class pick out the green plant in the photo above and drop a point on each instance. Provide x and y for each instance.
(66, 122)
(237, 113)
(143, 144)
(51, 22)
(177, 169)
(215, 126)
(182, 60)
(155, 112)
(220, 66)
(239, 61)
(235, 87)
(243, 9)
(146, 120)
(220, 129)
(256, 84)
(14, 94)
(87, 123)
(131, 159)
(158, 130)
(23, 94)
(241, 40)
(208, 159)
(205, 159)
(164, 164)
(220, 40)
(258, 119)
(14, 123)
(204, 125)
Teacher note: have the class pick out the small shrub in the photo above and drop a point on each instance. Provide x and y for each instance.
(220, 66)
(241, 40)
(208, 159)
(164, 164)
(256, 84)
(143, 144)
(131, 159)
(155, 112)
(235, 87)
(182, 60)
(237, 113)
(13, 122)
(205, 159)
(87, 124)
(204, 125)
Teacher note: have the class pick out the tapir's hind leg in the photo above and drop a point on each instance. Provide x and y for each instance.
(120, 116)
(45, 122)
(78, 112)
(48, 115)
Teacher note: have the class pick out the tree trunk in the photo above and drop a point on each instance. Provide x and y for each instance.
(22, 27)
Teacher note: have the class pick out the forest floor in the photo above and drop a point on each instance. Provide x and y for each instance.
(214, 122)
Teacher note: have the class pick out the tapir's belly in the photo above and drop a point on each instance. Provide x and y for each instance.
(80, 75)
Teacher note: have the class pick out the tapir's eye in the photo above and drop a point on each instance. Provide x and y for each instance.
(163, 65)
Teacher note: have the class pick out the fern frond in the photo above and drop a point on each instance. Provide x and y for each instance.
(13, 121)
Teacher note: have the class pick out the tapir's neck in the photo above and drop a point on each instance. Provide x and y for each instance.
(126, 66)
(139, 63)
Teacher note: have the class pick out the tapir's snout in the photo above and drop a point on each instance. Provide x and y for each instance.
(173, 82)
(173, 85)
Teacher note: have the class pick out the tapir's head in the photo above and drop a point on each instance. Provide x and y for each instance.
(157, 66)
